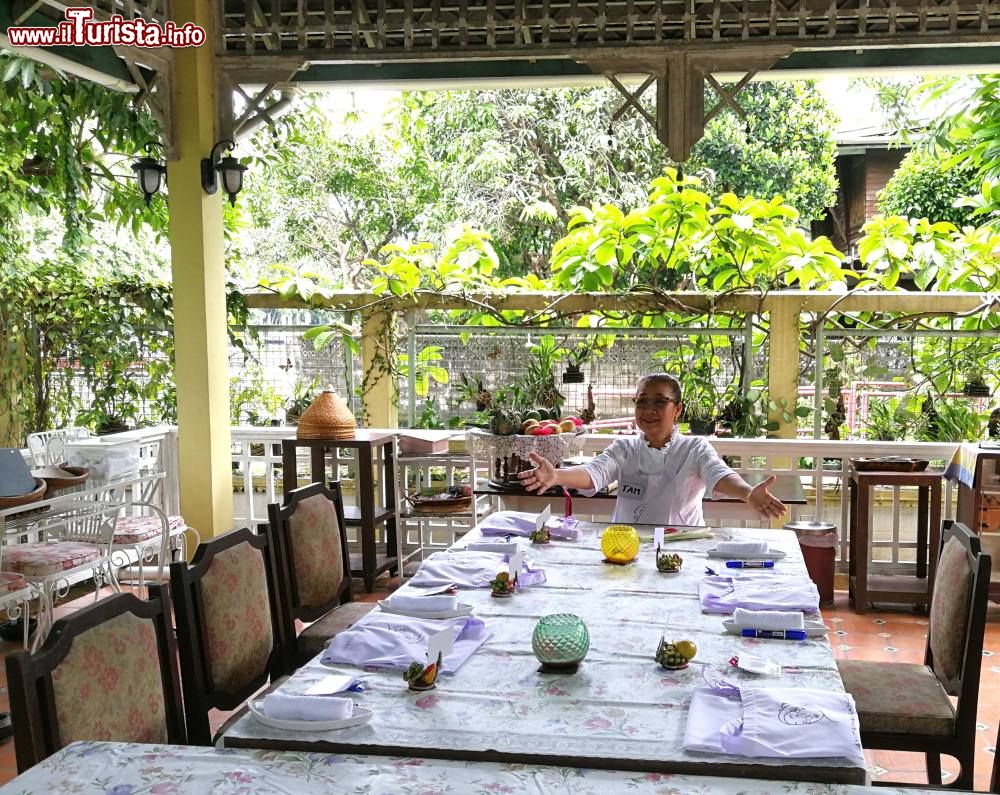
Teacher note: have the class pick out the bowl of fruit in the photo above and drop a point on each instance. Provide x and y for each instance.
(513, 435)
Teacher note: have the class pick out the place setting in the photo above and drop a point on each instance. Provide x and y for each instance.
(326, 705)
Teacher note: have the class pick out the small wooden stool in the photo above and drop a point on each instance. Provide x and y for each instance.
(915, 590)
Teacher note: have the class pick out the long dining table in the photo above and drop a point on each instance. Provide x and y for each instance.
(619, 711)
(103, 768)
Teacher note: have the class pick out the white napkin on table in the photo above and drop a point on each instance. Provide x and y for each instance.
(774, 722)
(738, 548)
(774, 592)
(291, 706)
(385, 640)
(768, 619)
(425, 604)
(503, 547)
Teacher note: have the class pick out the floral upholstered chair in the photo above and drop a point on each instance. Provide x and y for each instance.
(314, 568)
(108, 672)
(228, 634)
(907, 707)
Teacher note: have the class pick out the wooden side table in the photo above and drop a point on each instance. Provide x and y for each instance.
(916, 590)
(367, 516)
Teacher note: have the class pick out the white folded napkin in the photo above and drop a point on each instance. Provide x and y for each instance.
(768, 619)
(741, 547)
(291, 706)
(503, 547)
(423, 604)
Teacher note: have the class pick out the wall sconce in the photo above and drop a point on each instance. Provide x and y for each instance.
(149, 173)
(230, 170)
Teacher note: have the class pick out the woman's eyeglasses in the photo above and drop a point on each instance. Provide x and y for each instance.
(658, 403)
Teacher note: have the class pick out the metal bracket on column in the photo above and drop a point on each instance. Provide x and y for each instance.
(680, 78)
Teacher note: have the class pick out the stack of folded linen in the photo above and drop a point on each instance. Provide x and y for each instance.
(725, 594)
(386, 640)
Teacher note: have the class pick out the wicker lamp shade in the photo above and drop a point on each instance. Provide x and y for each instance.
(327, 417)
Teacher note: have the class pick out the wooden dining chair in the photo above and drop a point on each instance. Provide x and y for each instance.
(229, 637)
(314, 568)
(906, 707)
(107, 672)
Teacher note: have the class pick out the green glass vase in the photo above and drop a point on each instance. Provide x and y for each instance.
(560, 642)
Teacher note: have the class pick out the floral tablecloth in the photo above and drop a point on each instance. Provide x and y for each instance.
(621, 709)
(121, 769)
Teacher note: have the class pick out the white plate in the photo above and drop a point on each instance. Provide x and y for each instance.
(361, 715)
(775, 555)
(814, 629)
(461, 610)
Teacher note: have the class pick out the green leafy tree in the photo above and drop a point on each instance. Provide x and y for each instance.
(65, 149)
(926, 186)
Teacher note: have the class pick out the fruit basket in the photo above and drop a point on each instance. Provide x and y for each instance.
(508, 455)
(889, 463)
(453, 500)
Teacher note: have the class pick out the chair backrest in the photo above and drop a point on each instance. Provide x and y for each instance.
(48, 447)
(107, 672)
(228, 633)
(958, 617)
(311, 551)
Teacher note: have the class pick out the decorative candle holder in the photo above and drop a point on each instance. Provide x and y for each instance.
(675, 656)
(668, 562)
(422, 677)
(502, 585)
(540, 536)
(560, 642)
(620, 544)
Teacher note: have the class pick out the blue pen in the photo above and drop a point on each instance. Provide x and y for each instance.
(749, 564)
(775, 634)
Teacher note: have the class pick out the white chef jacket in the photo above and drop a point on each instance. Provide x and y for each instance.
(658, 486)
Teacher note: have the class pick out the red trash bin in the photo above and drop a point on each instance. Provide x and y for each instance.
(818, 542)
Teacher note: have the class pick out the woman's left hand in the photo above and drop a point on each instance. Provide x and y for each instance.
(765, 503)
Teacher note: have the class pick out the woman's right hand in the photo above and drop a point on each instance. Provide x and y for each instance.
(539, 479)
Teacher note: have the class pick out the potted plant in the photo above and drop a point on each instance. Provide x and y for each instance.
(302, 395)
(741, 416)
(700, 396)
(975, 384)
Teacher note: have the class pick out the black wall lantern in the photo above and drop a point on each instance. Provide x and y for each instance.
(230, 171)
(149, 173)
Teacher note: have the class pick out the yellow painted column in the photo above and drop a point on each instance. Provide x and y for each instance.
(783, 373)
(199, 281)
(379, 397)
(783, 363)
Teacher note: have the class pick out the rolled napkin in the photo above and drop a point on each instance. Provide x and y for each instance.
(741, 548)
(291, 706)
(768, 619)
(423, 604)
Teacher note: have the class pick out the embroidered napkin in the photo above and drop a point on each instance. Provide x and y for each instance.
(768, 619)
(794, 723)
(741, 548)
(777, 592)
(774, 722)
(384, 640)
(470, 569)
(426, 604)
(292, 706)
